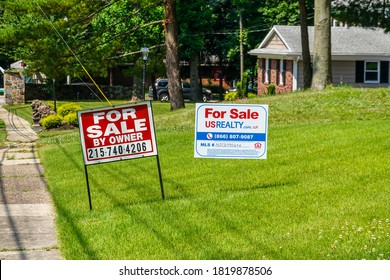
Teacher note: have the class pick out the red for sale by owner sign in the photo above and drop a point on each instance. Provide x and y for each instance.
(117, 133)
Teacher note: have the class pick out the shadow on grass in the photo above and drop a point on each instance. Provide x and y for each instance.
(178, 222)
(63, 213)
(258, 187)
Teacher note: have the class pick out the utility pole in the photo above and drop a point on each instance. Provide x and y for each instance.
(241, 50)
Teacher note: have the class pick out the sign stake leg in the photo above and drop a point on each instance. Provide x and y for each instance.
(89, 192)
(159, 174)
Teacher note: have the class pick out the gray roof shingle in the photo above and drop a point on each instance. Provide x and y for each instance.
(352, 41)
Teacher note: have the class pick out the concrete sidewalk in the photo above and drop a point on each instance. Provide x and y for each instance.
(27, 230)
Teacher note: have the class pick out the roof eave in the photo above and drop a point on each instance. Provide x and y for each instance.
(267, 53)
(269, 35)
(360, 56)
(277, 54)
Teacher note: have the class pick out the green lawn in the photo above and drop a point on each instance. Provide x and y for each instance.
(22, 110)
(323, 192)
(3, 133)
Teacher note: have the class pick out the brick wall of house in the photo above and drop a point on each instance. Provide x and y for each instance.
(289, 76)
(274, 78)
(261, 85)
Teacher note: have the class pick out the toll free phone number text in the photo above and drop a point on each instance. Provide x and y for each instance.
(231, 136)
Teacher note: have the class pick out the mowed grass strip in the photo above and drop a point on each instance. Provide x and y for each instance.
(323, 192)
(3, 134)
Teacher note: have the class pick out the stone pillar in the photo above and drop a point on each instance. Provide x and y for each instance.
(14, 87)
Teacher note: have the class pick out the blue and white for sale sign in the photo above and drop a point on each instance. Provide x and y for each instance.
(235, 131)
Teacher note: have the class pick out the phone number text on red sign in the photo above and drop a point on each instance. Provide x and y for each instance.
(119, 150)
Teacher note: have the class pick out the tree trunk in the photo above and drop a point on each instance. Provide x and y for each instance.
(194, 75)
(307, 70)
(220, 78)
(241, 50)
(172, 58)
(322, 70)
(111, 76)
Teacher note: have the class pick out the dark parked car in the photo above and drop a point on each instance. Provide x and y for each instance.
(252, 87)
(163, 94)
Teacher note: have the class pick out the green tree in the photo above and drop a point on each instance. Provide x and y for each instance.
(26, 34)
(172, 57)
(284, 12)
(194, 23)
(223, 40)
(101, 34)
(123, 29)
(104, 34)
(374, 13)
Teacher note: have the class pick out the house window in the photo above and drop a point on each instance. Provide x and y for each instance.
(371, 72)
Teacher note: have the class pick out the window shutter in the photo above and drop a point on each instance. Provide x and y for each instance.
(384, 72)
(359, 71)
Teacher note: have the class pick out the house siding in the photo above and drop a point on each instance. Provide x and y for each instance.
(343, 73)
(275, 43)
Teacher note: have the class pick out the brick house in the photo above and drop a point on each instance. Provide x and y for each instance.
(360, 58)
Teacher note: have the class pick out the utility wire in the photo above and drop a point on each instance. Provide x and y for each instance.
(70, 49)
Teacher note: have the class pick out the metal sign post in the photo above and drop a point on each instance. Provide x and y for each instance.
(88, 189)
(157, 157)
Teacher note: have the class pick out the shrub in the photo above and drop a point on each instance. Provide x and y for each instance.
(52, 121)
(50, 104)
(252, 95)
(271, 89)
(231, 96)
(239, 88)
(68, 108)
(71, 119)
(245, 81)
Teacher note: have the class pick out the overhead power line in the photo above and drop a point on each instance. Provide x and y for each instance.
(70, 49)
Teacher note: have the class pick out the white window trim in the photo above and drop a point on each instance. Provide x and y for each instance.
(377, 81)
(295, 75)
(281, 80)
(267, 70)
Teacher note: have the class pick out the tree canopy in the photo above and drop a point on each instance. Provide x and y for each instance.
(52, 36)
(374, 13)
(103, 34)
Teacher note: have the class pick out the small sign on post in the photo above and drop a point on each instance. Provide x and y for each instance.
(234, 131)
(117, 133)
